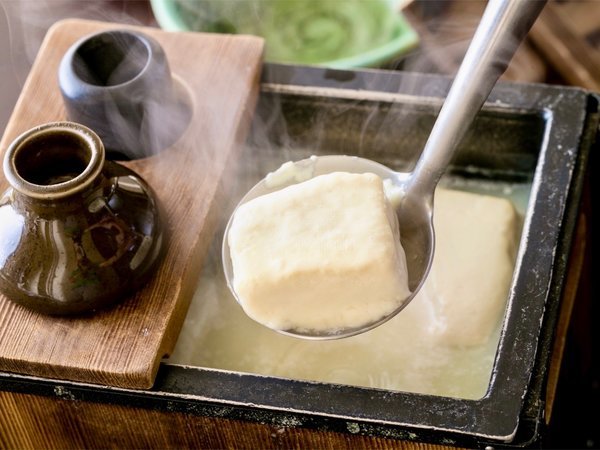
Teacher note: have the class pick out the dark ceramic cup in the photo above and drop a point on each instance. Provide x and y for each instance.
(77, 233)
(119, 84)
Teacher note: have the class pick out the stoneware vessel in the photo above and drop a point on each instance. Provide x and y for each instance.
(119, 84)
(76, 232)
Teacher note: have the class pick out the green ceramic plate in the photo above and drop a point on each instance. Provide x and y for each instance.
(334, 33)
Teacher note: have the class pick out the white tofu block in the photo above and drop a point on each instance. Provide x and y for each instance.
(321, 255)
(467, 288)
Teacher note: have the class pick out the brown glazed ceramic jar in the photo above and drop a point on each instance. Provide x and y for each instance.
(76, 232)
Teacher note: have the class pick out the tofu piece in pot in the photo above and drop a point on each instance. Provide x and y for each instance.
(467, 287)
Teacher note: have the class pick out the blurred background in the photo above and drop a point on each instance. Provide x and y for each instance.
(413, 35)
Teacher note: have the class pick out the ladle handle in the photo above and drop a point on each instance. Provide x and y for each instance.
(504, 25)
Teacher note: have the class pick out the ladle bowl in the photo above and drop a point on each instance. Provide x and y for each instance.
(416, 230)
(502, 28)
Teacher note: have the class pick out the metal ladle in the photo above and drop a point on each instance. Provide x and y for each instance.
(503, 26)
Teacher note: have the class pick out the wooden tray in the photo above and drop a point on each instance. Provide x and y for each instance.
(123, 346)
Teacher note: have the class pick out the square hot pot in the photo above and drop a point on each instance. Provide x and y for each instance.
(534, 134)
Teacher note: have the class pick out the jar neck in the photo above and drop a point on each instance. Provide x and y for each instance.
(54, 163)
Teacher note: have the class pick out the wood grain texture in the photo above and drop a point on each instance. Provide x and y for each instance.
(33, 422)
(571, 287)
(445, 31)
(568, 35)
(123, 346)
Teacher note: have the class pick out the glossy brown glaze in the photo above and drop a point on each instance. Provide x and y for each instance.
(77, 232)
